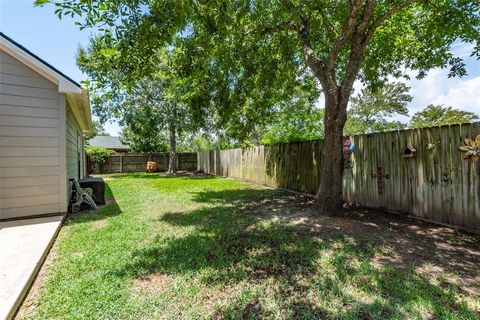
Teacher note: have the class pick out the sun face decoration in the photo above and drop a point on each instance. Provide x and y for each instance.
(471, 148)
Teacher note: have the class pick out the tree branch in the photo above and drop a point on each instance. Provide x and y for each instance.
(361, 37)
(328, 25)
(313, 61)
(346, 31)
(367, 15)
(316, 64)
(280, 27)
(358, 46)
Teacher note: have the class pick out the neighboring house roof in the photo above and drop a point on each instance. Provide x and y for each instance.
(76, 96)
(108, 142)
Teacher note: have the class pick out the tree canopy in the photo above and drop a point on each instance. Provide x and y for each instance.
(150, 106)
(434, 115)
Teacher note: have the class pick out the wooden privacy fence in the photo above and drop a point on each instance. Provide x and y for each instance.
(433, 183)
(131, 162)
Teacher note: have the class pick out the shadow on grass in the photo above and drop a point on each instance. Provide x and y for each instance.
(240, 196)
(257, 202)
(229, 246)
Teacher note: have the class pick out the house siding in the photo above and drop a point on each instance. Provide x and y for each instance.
(30, 142)
(74, 150)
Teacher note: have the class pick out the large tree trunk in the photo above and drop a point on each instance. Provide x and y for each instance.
(172, 167)
(329, 195)
(355, 34)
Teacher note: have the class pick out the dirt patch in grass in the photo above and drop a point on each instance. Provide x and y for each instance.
(250, 310)
(99, 224)
(300, 209)
(152, 283)
(78, 255)
(432, 250)
(213, 296)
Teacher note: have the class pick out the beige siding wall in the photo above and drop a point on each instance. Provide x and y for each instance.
(31, 172)
(75, 150)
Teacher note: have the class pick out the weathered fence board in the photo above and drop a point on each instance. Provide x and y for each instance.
(137, 162)
(437, 184)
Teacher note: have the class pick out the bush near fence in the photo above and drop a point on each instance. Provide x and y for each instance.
(437, 184)
(131, 162)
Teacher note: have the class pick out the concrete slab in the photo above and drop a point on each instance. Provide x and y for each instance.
(23, 247)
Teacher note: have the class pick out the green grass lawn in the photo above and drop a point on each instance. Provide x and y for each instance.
(202, 247)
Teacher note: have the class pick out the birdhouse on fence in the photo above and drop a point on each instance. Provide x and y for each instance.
(409, 152)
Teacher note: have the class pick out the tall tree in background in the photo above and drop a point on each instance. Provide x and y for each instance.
(147, 104)
(153, 107)
(203, 141)
(142, 129)
(434, 115)
(255, 49)
(372, 110)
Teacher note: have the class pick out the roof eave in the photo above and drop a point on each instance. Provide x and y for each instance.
(65, 85)
(75, 94)
(80, 105)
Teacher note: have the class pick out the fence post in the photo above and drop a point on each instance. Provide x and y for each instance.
(121, 163)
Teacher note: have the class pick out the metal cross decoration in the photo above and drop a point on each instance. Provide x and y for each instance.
(381, 176)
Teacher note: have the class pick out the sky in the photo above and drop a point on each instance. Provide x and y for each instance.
(57, 41)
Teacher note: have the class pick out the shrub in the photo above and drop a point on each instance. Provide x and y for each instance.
(98, 156)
